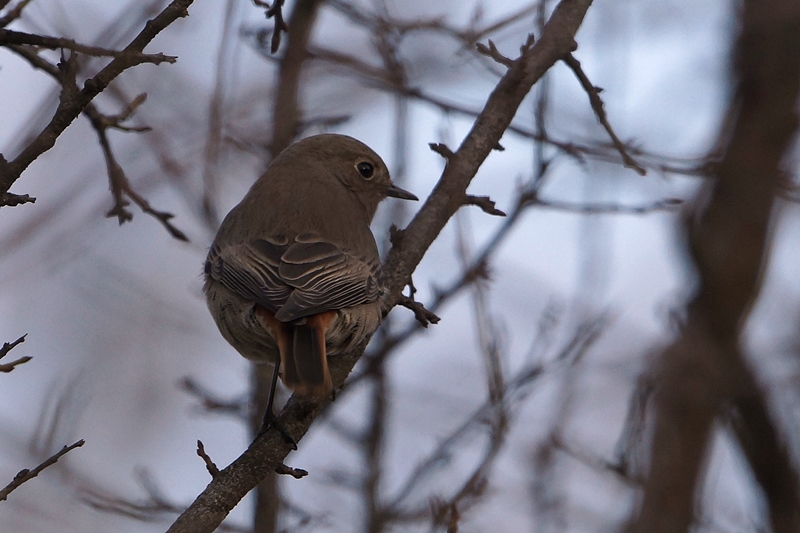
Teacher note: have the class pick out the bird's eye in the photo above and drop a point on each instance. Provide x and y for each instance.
(366, 169)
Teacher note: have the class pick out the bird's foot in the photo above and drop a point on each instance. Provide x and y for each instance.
(272, 421)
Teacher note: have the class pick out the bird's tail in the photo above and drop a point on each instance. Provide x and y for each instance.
(304, 360)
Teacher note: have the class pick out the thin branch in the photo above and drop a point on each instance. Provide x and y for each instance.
(667, 205)
(297, 473)
(210, 466)
(494, 410)
(27, 475)
(441, 149)
(468, 36)
(486, 204)
(377, 76)
(423, 316)
(7, 347)
(8, 367)
(494, 53)
(10, 199)
(119, 183)
(213, 146)
(599, 110)
(13, 13)
(556, 41)
(275, 11)
(9, 37)
(373, 446)
(71, 105)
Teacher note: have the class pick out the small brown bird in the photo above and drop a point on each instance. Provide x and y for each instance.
(294, 273)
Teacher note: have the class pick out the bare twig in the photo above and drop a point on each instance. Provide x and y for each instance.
(498, 411)
(423, 316)
(287, 116)
(27, 475)
(7, 347)
(668, 205)
(155, 508)
(8, 367)
(13, 13)
(485, 203)
(11, 200)
(599, 110)
(598, 151)
(275, 11)
(210, 466)
(442, 150)
(71, 105)
(297, 473)
(119, 183)
(469, 35)
(494, 53)
(9, 37)
(213, 146)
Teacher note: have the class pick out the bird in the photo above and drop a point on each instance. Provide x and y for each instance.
(293, 274)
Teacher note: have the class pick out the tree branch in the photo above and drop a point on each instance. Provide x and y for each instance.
(27, 475)
(9, 37)
(70, 106)
(7, 347)
(13, 13)
(599, 109)
(556, 42)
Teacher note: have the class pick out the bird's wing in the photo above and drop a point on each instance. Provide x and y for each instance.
(297, 279)
(251, 270)
(325, 277)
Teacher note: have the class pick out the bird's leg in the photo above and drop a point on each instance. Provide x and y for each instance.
(270, 419)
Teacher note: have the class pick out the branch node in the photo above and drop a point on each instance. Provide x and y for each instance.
(8, 346)
(442, 150)
(492, 52)
(12, 200)
(297, 473)
(26, 474)
(485, 203)
(210, 466)
(274, 11)
(422, 315)
(598, 107)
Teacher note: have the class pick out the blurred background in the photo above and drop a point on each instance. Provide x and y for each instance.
(556, 308)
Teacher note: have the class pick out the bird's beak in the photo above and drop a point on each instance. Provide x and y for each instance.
(396, 192)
